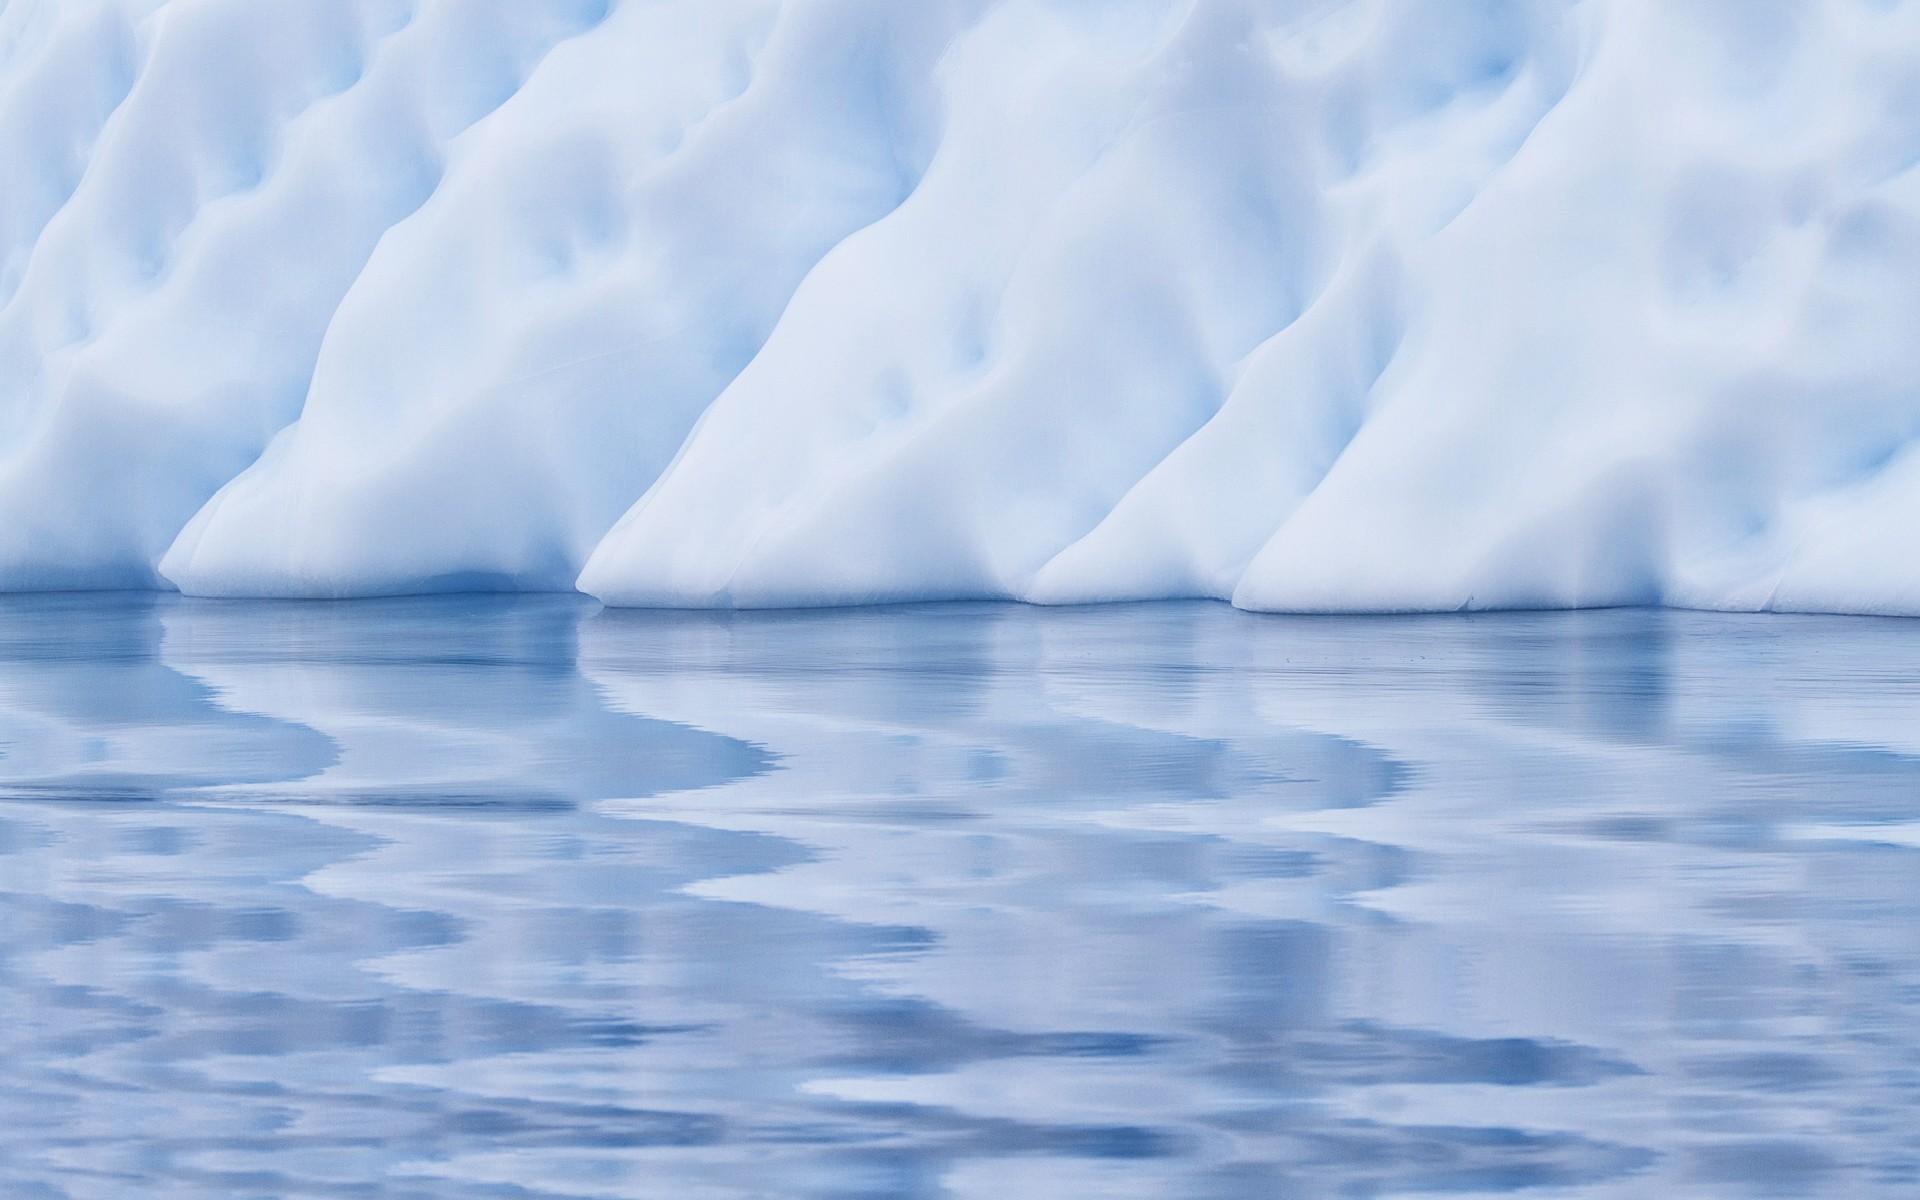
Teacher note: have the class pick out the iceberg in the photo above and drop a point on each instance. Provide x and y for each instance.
(1309, 305)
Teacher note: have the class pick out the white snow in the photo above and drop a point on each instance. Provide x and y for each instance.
(1306, 304)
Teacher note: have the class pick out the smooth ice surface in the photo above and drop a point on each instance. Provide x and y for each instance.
(514, 899)
(1305, 304)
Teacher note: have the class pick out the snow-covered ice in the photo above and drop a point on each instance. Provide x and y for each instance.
(1307, 304)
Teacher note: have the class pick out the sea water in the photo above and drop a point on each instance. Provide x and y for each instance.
(519, 898)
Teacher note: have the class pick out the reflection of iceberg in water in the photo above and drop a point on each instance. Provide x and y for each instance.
(513, 898)
(463, 700)
(1409, 842)
(87, 713)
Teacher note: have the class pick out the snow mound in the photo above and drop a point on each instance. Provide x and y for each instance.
(1306, 304)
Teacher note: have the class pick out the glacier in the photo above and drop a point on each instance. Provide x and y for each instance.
(1309, 305)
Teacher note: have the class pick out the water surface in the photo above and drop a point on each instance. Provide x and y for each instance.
(518, 898)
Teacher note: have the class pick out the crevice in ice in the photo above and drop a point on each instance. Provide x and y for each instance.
(68, 163)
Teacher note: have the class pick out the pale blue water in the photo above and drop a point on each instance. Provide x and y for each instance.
(516, 898)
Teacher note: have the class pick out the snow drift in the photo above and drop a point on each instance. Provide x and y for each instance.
(1310, 305)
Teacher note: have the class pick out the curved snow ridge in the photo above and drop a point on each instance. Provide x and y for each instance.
(1319, 305)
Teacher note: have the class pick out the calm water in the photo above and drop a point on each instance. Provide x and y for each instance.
(517, 898)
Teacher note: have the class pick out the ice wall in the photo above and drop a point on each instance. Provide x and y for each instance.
(1385, 304)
